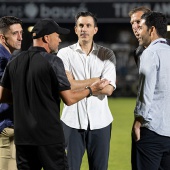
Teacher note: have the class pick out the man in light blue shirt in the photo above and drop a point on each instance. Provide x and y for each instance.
(151, 128)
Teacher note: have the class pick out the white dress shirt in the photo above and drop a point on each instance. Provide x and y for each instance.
(94, 110)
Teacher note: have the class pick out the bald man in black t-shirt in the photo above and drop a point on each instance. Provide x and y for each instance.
(34, 81)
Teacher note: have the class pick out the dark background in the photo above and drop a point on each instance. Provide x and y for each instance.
(113, 23)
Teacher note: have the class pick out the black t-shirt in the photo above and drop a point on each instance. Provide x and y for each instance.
(35, 79)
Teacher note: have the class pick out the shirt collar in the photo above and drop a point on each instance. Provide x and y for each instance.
(36, 48)
(157, 40)
(77, 47)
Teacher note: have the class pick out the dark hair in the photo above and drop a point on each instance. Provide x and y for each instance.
(144, 9)
(85, 14)
(158, 20)
(7, 21)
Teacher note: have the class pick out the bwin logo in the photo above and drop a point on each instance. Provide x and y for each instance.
(31, 10)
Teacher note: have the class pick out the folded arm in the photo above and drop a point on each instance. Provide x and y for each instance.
(80, 84)
(108, 90)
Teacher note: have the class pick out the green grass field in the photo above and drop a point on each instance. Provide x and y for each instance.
(120, 147)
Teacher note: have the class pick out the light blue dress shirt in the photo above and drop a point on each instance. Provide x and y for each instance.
(153, 99)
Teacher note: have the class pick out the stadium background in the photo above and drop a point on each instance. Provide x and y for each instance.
(113, 22)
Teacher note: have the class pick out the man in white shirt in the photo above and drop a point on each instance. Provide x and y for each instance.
(87, 124)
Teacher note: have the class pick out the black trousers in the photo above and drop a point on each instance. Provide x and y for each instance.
(151, 152)
(48, 157)
(96, 142)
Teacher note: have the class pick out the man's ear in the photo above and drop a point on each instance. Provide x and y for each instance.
(75, 30)
(45, 38)
(152, 30)
(95, 30)
(2, 38)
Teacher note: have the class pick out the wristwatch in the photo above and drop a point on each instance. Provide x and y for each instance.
(90, 91)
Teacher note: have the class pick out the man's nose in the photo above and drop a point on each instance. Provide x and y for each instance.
(84, 28)
(20, 36)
